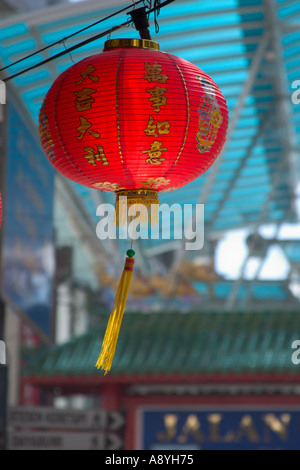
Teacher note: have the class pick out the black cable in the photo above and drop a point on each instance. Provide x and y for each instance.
(83, 43)
(70, 36)
(67, 51)
(156, 12)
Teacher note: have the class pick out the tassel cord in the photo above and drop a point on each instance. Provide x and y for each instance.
(115, 320)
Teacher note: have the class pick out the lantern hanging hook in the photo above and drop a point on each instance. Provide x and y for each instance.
(141, 23)
(127, 24)
(64, 44)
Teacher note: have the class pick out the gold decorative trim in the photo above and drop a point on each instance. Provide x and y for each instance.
(140, 43)
(188, 110)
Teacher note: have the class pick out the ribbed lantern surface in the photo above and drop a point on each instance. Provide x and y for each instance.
(133, 118)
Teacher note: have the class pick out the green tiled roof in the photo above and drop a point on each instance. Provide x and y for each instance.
(185, 343)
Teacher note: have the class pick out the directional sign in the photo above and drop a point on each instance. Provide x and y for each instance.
(56, 429)
(76, 420)
(43, 440)
(115, 420)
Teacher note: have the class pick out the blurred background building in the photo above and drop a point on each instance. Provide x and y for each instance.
(205, 354)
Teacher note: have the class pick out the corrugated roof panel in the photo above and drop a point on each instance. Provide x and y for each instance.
(222, 38)
(291, 9)
(292, 251)
(13, 31)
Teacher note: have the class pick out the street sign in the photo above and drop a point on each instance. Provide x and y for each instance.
(44, 440)
(76, 420)
(214, 427)
(46, 428)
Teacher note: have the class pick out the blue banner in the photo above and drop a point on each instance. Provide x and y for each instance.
(220, 429)
(28, 248)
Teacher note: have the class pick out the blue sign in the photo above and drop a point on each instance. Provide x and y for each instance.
(220, 429)
(28, 248)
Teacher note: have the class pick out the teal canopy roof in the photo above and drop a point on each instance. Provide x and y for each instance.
(251, 50)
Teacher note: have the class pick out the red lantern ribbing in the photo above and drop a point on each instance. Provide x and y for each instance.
(133, 120)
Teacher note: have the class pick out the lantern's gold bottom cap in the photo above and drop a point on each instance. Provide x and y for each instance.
(139, 196)
(146, 198)
(140, 43)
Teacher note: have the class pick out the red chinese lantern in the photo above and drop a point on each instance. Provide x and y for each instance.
(135, 121)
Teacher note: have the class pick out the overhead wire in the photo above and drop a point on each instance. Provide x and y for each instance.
(63, 40)
(155, 8)
(66, 51)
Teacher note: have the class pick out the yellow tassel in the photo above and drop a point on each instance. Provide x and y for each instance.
(114, 323)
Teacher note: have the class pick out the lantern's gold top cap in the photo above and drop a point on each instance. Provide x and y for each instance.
(140, 43)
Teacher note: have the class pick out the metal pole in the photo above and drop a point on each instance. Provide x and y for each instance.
(3, 396)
